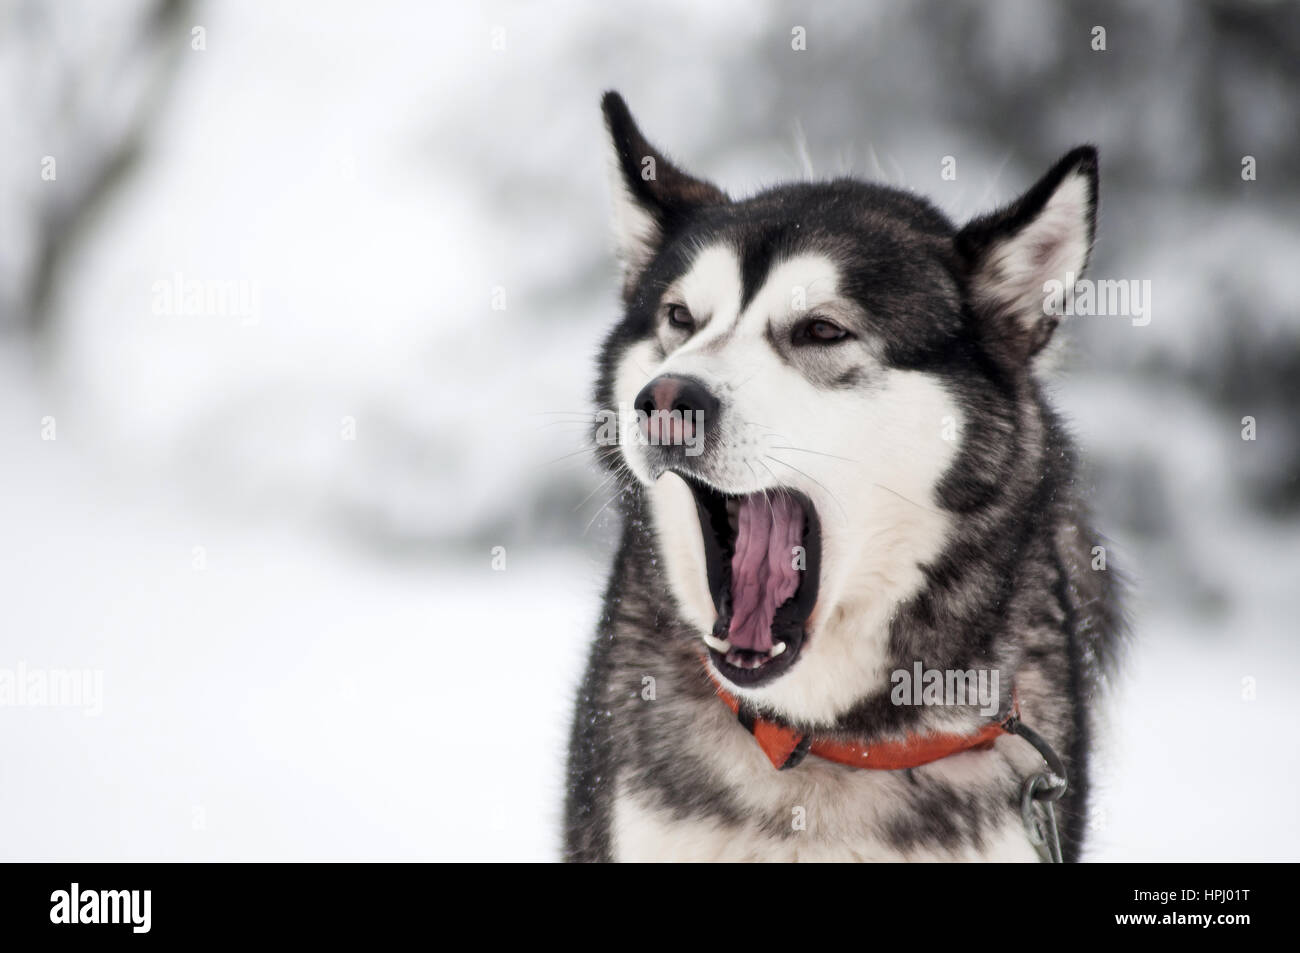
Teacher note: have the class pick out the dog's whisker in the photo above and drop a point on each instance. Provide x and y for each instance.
(819, 453)
(769, 470)
(564, 423)
(593, 449)
(843, 511)
(763, 489)
(591, 522)
(766, 499)
(603, 483)
(922, 506)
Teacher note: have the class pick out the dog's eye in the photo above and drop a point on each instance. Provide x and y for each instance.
(679, 317)
(818, 331)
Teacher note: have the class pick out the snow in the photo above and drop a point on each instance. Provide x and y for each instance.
(290, 699)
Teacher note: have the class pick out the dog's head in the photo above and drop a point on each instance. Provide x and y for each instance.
(817, 385)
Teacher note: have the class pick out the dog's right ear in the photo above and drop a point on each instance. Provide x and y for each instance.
(651, 196)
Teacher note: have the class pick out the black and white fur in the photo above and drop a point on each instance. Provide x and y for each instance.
(971, 552)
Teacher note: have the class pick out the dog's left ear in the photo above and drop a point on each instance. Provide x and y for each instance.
(1020, 260)
(651, 196)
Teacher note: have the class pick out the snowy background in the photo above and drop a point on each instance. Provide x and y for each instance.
(270, 526)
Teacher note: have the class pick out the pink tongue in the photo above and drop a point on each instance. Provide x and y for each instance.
(762, 570)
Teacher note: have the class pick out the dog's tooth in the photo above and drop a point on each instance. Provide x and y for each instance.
(718, 645)
(776, 650)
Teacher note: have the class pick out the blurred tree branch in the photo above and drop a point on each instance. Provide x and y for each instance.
(94, 114)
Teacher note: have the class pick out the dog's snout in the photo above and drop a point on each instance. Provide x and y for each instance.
(685, 395)
(689, 404)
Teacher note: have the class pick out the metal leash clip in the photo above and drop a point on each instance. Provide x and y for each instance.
(1040, 793)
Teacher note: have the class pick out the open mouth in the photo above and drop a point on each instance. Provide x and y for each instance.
(762, 552)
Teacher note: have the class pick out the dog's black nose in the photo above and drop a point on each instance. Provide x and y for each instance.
(687, 399)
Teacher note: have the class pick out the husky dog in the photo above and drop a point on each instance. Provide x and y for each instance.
(837, 467)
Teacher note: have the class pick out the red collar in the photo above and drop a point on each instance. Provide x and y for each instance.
(786, 747)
